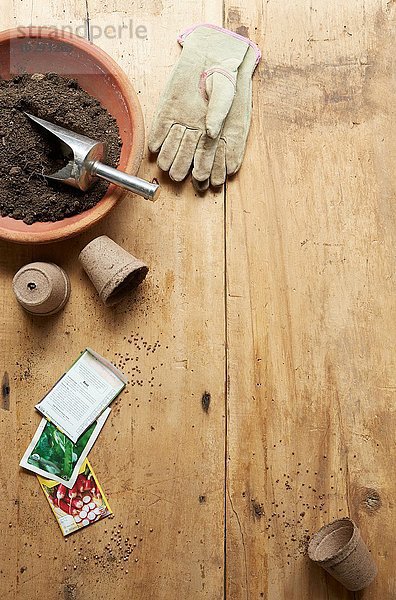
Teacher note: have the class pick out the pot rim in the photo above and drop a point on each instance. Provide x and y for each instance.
(319, 538)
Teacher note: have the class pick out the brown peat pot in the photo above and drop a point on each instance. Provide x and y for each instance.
(42, 50)
(339, 549)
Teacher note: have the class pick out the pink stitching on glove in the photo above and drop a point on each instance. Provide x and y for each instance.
(187, 32)
(205, 75)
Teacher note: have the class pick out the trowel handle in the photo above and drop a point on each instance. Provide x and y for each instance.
(144, 188)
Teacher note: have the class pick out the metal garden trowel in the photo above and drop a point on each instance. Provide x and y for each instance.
(85, 156)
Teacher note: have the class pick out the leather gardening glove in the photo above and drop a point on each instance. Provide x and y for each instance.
(197, 98)
(229, 150)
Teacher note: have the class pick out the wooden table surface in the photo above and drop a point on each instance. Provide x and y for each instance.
(274, 296)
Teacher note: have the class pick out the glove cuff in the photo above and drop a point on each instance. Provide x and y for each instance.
(248, 42)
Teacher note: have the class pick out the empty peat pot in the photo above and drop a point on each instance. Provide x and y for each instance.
(41, 288)
(340, 550)
(113, 271)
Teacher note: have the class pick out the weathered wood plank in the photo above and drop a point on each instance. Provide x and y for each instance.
(310, 297)
(309, 307)
(161, 456)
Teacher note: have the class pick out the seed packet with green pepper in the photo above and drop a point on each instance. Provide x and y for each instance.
(53, 455)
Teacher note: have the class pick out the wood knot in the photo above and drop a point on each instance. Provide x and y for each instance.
(70, 592)
(234, 16)
(371, 500)
(205, 400)
(5, 392)
(258, 510)
(243, 30)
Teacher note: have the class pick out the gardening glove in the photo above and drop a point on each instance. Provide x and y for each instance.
(227, 155)
(197, 98)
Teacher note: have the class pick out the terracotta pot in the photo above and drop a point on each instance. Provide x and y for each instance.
(40, 50)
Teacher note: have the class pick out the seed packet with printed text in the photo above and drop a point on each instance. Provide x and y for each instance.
(80, 396)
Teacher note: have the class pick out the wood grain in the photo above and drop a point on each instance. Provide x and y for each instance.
(160, 457)
(310, 298)
(281, 286)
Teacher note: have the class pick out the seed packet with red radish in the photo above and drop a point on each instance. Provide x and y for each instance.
(82, 505)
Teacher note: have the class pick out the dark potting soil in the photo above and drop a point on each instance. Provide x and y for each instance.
(27, 153)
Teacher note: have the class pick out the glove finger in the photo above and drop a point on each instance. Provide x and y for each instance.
(219, 171)
(237, 126)
(170, 147)
(185, 154)
(220, 90)
(200, 186)
(204, 157)
(234, 155)
(158, 133)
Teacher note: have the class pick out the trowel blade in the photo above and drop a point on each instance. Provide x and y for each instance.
(65, 172)
(70, 138)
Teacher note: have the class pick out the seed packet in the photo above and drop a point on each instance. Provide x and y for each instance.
(80, 506)
(82, 394)
(51, 454)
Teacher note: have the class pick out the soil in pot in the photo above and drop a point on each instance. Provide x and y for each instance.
(27, 153)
